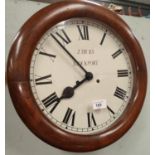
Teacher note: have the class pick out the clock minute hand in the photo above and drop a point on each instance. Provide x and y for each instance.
(68, 52)
(68, 92)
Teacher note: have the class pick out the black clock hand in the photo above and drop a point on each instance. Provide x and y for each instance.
(68, 53)
(68, 92)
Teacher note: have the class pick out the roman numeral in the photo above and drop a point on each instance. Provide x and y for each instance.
(83, 30)
(63, 36)
(120, 93)
(117, 53)
(47, 54)
(43, 80)
(53, 100)
(103, 37)
(110, 110)
(91, 119)
(122, 73)
(69, 117)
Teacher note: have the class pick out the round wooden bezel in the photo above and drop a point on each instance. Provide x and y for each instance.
(18, 69)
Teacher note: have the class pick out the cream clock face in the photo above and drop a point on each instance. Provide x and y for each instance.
(81, 76)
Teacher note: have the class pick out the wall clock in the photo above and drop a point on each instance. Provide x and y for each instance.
(77, 75)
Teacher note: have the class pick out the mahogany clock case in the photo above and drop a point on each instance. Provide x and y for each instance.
(18, 75)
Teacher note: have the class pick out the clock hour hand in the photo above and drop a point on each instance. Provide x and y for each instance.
(68, 53)
(68, 92)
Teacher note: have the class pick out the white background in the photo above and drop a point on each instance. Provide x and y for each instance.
(20, 141)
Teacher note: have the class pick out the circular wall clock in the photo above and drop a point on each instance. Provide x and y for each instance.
(77, 75)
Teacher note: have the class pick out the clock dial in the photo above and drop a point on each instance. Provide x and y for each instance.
(81, 76)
